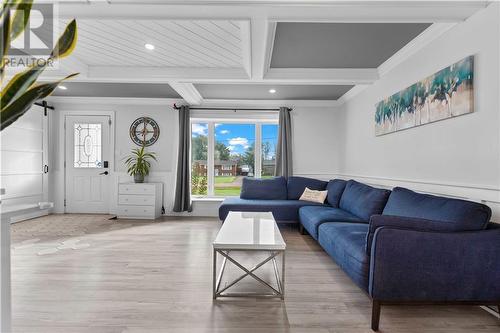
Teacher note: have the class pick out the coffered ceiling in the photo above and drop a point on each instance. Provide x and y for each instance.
(208, 49)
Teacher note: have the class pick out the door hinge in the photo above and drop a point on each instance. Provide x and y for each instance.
(64, 202)
(45, 113)
(109, 121)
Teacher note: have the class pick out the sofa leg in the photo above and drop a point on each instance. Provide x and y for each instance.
(375, 315)
(301, 229)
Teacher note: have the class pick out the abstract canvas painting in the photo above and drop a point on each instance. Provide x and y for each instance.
(445, 94)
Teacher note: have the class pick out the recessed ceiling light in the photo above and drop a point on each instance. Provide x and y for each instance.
(149, 46)
(272, 91)
(63, 87)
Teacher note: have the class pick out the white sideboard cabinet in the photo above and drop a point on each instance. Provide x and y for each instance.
(140, 200)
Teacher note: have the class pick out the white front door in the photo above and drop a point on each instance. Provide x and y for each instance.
(87, 164)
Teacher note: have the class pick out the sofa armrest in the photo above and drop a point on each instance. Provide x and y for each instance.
(411, 265)
(408, 223)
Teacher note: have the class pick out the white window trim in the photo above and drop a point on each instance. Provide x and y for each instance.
(258, 119)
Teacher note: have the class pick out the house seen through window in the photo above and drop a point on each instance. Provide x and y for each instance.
(222, 154)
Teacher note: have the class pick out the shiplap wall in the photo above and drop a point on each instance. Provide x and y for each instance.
(23, 153)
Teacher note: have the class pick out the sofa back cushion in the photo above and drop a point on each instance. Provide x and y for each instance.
(335, 189)
(264, 189)
(297, 185)
(467, 215)
(363, 200)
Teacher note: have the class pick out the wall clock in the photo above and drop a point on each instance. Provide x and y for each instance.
(144, 131)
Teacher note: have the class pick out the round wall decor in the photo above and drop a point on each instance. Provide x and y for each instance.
(144, 131)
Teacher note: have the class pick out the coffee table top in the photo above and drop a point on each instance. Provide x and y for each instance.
(249, 231)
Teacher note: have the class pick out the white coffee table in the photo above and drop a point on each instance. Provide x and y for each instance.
(249, 231)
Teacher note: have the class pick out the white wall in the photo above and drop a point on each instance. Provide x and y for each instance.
(317, 150)
(314, 145)
(23, 153)
(458, 156)
(124, 115)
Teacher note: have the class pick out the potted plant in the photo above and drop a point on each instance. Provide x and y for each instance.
(138, 164)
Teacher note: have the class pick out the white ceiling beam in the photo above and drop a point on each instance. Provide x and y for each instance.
(164, 74)
(188, 92)
(246, 46)
(233, 103)
(58, 70)
(301, 11)
(314, 76)
(260, 40)
(322, 75)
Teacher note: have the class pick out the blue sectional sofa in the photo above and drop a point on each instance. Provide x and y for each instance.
(399, 246)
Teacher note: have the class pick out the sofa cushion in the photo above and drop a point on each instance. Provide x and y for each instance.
(345, 243)
(311, 217)
(283, 210)
(363, 200)
(467, 215)
(335, 189)
(264, 189)
(297, 185)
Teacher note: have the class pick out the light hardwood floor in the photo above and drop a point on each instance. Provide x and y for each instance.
(85, 273)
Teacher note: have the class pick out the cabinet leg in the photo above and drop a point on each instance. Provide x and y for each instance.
(375, 315)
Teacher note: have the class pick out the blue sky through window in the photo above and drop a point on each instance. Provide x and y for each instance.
(238, 137)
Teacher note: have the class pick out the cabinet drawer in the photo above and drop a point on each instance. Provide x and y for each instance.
(126, 199)
(136, 189)
(136, 211)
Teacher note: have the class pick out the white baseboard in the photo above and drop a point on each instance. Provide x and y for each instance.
(29, 216)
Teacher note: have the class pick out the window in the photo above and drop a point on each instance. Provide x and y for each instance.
(269, 142)
(199, 159)
(88, 153)
(223, 153)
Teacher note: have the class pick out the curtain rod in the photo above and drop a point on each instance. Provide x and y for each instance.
(230, 109)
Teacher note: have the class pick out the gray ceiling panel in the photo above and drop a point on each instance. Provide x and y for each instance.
(261, 91)
(101, 89)
(340, 45)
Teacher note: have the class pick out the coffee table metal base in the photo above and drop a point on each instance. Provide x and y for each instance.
(274, 292)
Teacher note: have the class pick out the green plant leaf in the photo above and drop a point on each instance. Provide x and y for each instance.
(19, 84)
(67, 42)
(5, 35)
(20, 18)
(19, 107)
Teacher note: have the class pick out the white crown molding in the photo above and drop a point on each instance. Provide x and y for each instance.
(188, 92)
(430, 34)
(351, 93)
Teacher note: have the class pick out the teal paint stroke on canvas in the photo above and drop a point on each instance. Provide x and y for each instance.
(445, 94)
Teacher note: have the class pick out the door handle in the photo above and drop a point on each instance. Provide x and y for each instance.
(104, 173)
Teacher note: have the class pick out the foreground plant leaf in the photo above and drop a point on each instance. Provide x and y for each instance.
(67, 42)
(17, 108)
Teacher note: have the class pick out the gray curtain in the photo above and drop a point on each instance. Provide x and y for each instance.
(182, 200)
(284, 165)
